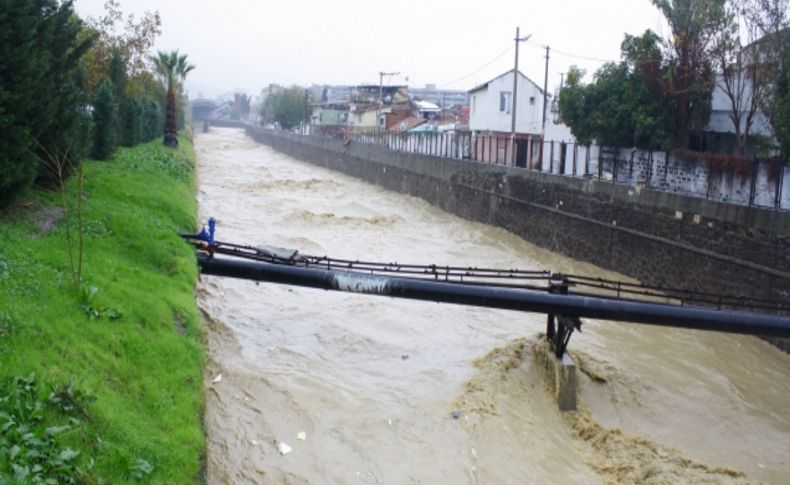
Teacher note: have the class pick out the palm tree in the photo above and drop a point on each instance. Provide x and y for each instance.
(173, 68)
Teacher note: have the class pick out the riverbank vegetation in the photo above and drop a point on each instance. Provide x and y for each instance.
(659, 96)
(74, 87)
(103, 384)
(100, 348)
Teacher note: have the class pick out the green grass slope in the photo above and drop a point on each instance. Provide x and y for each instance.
(129, 342)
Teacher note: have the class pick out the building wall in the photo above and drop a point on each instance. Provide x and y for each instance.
(442, 98)
(485, 114)
(657, 237)
(330, 117)
(365, 119)
(558, 132)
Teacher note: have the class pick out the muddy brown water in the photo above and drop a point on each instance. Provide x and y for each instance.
(367, 390)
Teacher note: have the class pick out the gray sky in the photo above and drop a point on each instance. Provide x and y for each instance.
(247, 44)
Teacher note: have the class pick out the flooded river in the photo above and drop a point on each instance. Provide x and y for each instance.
(362, 389)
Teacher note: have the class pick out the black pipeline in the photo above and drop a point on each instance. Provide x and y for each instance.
(503, 298)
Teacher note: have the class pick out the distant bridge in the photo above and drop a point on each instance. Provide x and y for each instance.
(215, 113)
(204, 109)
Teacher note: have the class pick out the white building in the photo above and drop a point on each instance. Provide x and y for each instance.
(720, 132)
(426, 109)
(491, 104)
(490, 120)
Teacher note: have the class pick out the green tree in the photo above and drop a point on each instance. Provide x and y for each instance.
(780, 118)
(132, 121)
(267, 107)
(241, 106)
(624, 105)
(694, 25)
(119, 79)
(152, 121)
(104, 127)
(573, 109)
(128, 36)
(288, 107)
(42, 105)
(173, 68)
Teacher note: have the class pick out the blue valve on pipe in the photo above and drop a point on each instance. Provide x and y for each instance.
(212, 227)
(208, 236)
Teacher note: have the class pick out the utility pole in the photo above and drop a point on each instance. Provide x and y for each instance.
(381, 90)
(515, 96)
(557, 119)
(545, 98)
(306, 121)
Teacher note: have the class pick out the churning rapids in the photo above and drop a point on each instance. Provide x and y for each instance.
(362, 389)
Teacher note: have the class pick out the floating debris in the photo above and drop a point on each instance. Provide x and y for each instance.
(283, 448)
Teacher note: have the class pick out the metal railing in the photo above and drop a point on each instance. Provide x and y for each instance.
(564, 298)
(752, 182)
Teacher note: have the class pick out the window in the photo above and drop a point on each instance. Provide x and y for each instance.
(504, 101)
(532, 100)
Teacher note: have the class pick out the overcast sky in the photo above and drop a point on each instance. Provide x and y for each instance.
(247, 44)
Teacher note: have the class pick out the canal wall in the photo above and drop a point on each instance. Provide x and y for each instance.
(227, 123)
(660, 238)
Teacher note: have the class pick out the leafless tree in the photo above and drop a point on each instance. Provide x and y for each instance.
(58, 165)
(740, 74)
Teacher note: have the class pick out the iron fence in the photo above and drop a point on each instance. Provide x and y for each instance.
(753, 182)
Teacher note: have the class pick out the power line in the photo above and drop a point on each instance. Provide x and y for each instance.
(499, 56)
(568, 54)
(577, 56)
(541, 46)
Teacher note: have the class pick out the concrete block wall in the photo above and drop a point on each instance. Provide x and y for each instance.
(669, 173)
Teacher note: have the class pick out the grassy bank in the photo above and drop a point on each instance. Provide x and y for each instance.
(103, 385)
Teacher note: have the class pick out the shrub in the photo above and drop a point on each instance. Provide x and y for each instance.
(153, 121)
(104, 109)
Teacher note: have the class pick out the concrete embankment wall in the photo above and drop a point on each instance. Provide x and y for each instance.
(657, 237)
(226, 123)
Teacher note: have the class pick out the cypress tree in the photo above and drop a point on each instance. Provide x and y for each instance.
(40, 96)
(153, 120)
(19, 65)
(131, 122)
(104, 129)
(60, 98)
(139, 107)
(117, 73)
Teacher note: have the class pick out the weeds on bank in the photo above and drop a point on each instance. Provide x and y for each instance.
(89, 307)
(129, 335)
(35, 423)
